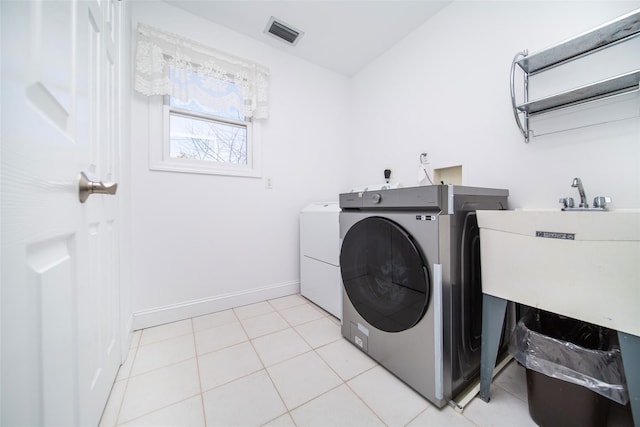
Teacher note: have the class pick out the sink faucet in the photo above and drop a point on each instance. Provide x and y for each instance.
(583, 198)
(599, 202)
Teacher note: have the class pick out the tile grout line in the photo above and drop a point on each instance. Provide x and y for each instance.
(304, 301)
(323, 315)
(311, 349)
(376, 365)
(127, 379)
(234, 309)
(196, 356)
(248, 341)
(420, 413)
(164, 366)
(509, 392)
(360, 397)
(324, 392)
(314, 398)
(201, 393)
(159, 409)
(343, 381)
(136, 346)
(195, 350)
(117, 413)
(346, 382)
(140, 344)
(264, 368)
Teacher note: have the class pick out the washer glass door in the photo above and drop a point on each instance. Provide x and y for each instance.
(384, 274)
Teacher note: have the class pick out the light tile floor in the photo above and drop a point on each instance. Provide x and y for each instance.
(283, 362)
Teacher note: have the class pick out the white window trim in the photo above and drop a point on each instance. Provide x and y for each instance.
(160, 160)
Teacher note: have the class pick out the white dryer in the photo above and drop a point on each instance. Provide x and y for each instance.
(320, 279)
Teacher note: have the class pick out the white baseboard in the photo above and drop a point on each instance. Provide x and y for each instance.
(185, 310)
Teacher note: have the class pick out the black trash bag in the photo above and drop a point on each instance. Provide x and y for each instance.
(570, 350)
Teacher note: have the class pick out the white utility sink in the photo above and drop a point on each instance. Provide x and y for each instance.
(582, 264)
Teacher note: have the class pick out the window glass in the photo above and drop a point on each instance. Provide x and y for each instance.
(207, 139)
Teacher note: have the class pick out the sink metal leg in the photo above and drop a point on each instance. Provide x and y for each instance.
(630, 351)
(493, 312)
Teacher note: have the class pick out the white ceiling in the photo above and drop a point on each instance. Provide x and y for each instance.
(342, 36)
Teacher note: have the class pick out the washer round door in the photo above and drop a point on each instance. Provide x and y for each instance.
(384, 274)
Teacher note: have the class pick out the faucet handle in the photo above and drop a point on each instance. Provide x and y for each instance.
(601, 202)
(567, 202)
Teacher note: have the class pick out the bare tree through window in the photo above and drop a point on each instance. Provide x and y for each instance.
(194, 138)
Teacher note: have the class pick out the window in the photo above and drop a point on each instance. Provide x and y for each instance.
(208, 132)
(207, 119)
(203, 143)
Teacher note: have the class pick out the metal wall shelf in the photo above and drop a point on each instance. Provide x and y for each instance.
(603, 36)
(613, 86)
(606, 34)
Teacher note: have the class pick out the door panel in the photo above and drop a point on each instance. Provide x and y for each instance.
(60, 289)
(51, 276)
(50, 84)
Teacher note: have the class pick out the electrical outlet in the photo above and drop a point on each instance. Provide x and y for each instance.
(268, 183)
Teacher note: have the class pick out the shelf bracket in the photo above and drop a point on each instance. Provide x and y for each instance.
(523, 124)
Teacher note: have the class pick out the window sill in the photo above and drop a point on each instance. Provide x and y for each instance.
(205, 169)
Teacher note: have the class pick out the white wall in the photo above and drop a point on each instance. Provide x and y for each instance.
(445, 90)
(203, 242)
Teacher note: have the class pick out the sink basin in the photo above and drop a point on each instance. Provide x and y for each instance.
(581, 264)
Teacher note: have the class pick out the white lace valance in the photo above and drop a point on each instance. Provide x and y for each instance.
(166, 64)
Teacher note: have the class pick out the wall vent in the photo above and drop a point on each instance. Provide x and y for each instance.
(282, 31)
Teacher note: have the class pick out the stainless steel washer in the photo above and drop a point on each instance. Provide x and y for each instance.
(412, 296)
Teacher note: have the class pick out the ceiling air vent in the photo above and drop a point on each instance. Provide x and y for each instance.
(282, 31)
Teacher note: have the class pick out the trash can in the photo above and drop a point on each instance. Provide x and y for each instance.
(572, 369)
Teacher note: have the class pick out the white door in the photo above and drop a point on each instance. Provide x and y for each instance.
(60, 289)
